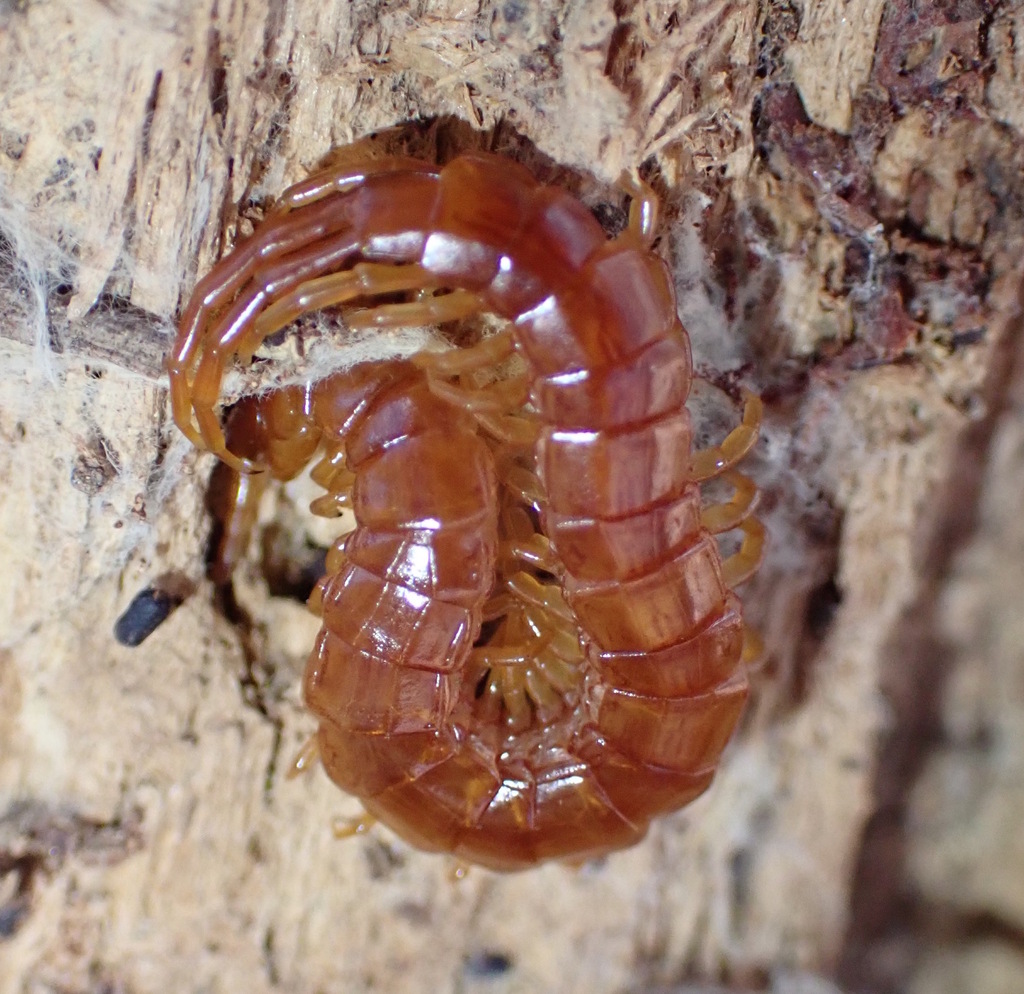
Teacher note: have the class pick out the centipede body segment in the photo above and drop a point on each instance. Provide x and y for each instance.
(530, 644)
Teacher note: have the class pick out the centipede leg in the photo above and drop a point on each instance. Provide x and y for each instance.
(497, 398)
(342, 177)
(181, 410)
(230, 295)
(515, 430)
(331, 505)
(718, 518)
(331, 471)
(365, 279)
(742, 565)
(525, 485)
(524, 664)
(337, 479)
(547, 597)
(233, 499)
(516, 681)
(508, 653)
(205, 393)
(714, 461)
(753, 645)
(333, 563)
(307, 757)
(452, 306)
(643, 208)
(457, 362)
(513, 690)
(536, 551)
(347, 828)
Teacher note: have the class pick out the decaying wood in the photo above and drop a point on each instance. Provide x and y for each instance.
(844, 213)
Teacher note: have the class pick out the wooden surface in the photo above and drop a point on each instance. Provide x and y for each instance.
(843, 212)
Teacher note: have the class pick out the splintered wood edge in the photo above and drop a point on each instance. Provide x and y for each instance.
(116, 333)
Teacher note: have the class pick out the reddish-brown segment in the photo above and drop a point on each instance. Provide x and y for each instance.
(530, 647)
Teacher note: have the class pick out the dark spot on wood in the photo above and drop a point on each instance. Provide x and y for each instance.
(150, 608)
(821, 607)
(218, 79)
(16, 877)
(62, 169)
(95, 465)
(488, 963)
(383, 861)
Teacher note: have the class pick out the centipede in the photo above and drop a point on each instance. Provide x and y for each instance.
(531, 644)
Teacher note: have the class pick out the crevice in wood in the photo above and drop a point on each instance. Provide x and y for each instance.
(887, 922)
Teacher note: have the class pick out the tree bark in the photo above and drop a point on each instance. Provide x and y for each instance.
(843, 212)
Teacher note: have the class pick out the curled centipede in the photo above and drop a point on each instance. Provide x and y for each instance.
(530, 645)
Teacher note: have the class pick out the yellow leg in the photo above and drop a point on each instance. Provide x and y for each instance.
(308, 755)
(712, 462)
(643, 207)
(541, 690)
(258, 313)
(281, 235)
(331, 505)
(718, 518)
(457, 362)
(344, 176)
(548, 597)
(518, 430)
(181, 408)
(523, 484)
(226, 302)
(742, 565)
(497, 606)
(336, 555)
(753, 645)
(536, 551)
(498, 398)
(330, 472)
(347, 828)
(364, 279)
(205, 391)
(434, 310)
(521, 654)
